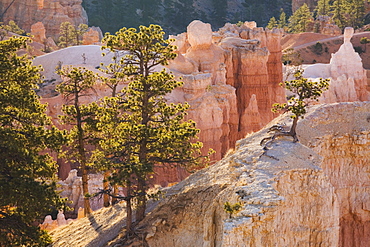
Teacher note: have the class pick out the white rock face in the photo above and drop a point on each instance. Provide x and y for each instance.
(312, 193)
(348, 77)
(340, 133)
(72, 189)
(292, 195)
(199, 34)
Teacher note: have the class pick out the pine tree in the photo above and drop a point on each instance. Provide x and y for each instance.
(150, 132)
(66, 32)
(71, 35)
(27, 172)
(77, 83)
(79, 32)
(272, 23)
(300, 19)
(114, 77)
(304, 91)
(282, 23)
(323, 7)
(356, 13)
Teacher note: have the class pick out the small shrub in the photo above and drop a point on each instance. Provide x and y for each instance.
(317, 48)
(358, 49)
(232, 208)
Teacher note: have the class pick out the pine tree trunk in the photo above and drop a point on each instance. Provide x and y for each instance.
(85, 190)
(293, 131)
(106, 197)
(115, 192)
(82, 154)
(141, 198)
(129, 211)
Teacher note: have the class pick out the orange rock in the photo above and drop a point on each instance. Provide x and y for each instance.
(50, 12)
(92, 36)
(38, 32)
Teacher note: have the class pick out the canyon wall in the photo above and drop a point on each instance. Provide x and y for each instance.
(312, 193)
(231, 79)
(50, 12)
(340, 133)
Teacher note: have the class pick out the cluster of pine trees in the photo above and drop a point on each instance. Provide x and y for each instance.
(124, 135)
(343, 13)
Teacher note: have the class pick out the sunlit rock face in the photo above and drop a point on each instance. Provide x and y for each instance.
(50, 12)
(348, 79)
(231, 79)
(230, 76)
(340, 133)
(309, 193)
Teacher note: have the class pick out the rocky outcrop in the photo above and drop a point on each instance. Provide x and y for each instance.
(221, 80)
(348, 77)
(223, 73)
(342, 137)
(50, 12)
(312, 193)
(38, 32)
(92, 36)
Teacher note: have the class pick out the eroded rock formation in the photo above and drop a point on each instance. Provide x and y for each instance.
(348, 77)
(229, 77)
(243, 59)
(342, 137)
(291, 194)
(50, 12)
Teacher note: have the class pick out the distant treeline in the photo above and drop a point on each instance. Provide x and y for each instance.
(175, 15)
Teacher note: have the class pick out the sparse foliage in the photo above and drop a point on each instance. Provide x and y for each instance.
(305, 91)
(232, 208)
(77, 83)
(291, 57)
(364, 41)
(11, 27)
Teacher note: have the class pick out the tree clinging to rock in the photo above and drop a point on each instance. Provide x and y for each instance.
(304, 91)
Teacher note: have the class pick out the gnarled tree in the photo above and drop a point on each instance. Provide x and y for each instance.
(305, 91)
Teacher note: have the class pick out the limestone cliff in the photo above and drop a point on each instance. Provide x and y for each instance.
(292, 195)
(50, 12)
